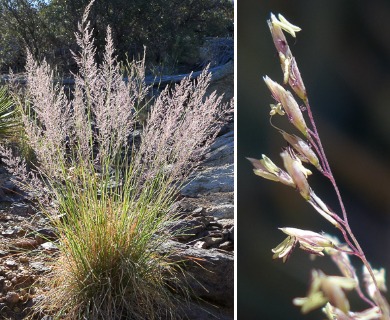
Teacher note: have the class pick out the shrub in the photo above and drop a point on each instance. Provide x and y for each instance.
(171, 30)
(109, 198)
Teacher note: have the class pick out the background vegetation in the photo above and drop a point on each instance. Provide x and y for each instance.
(172, 31)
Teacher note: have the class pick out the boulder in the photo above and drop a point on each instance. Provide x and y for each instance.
(210, 272)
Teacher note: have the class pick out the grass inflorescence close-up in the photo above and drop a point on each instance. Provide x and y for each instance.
(305, 150)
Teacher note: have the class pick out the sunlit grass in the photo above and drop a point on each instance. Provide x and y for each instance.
(110, 231)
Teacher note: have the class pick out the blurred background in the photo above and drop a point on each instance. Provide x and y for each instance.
(171, 31)
(343, 53)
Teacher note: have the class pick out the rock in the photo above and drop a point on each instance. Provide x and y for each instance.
(219, 205)
(12, 297)
(200, 245)
(223, 79)
(187, 228)
(23, 280)
(9, 190)
(214, 224)
(221, 151)
(17, 309)
(211, 271)
(226, 223)
(8, 232)
(26, 243)
(10, 263)
(229, 126)
(3, 306)
(7, 285)
(221, 211)
(3, 197)
(25, 297)
(213, 241)
(39, 267)
(5, 217)
(217, 171)
(197, 211)
(13, 232)
(197, 311)
(211, 180)
(21, 209)
(231, 234)
(227, 246)
(37, 299)
(49, 246)
(45, 234)
(23, 259)
(8, 187)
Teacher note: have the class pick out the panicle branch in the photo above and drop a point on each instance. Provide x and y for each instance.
(324, 290)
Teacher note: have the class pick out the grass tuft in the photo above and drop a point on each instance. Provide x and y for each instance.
(110, 267)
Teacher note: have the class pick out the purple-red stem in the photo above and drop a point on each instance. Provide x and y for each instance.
(328, 173)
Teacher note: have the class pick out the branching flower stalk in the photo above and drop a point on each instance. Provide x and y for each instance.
(324, 290)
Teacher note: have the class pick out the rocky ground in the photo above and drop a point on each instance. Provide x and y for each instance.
(28, 243)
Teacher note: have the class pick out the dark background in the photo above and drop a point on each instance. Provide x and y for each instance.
(343, 53)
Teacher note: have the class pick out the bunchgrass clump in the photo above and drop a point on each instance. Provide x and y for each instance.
(109, 198)
(110, 232)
